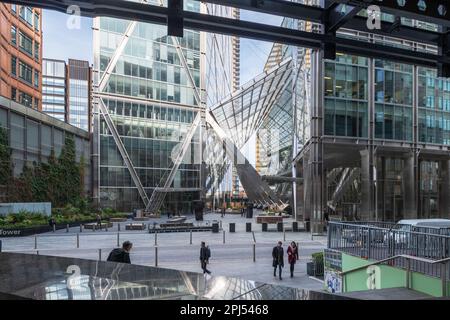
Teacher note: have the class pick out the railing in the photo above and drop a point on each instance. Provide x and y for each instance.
(376, 243)
(442, 265)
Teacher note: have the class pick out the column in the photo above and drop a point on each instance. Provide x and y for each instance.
(444, 190)
(365, 212)
(409, 201)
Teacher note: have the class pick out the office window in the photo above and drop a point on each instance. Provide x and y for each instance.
(13, 94)
(25, 72)
(14, 66)
(26, 13)
(25, 43)
(14, 9)
(36, 22)
(37, 50)
(36, 79)
(14, 35)
(26, 99)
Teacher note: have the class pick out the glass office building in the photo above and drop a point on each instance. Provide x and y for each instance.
(152, 103)
(54, 88)
(79, 95)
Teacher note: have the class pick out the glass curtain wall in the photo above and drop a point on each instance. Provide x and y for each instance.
(152, 104)
(346, 95)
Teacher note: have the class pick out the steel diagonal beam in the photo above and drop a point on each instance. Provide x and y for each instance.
(116, 56)
(255, 187)
(123, 151)
(159, 193)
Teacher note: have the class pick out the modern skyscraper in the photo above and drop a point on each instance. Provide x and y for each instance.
(79, 77)
(149, 99)
(67, 91)
(21, 54)
(54, 88)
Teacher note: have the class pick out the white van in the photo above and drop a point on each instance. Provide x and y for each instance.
(415, 225)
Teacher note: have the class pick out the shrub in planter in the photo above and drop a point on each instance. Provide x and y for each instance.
(318, 263)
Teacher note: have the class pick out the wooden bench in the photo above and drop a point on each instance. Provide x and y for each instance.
(95, 226)
(176, 225)
(141, 218)
(135, 226)
(269, 219)
(117, 219)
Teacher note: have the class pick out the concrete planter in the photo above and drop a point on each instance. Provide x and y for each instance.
(23, 232)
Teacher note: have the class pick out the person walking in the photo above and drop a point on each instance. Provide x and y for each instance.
(99, 221)
(121, 254)
(204, 257)
(278, 260)
(224, 208)
(292, 253)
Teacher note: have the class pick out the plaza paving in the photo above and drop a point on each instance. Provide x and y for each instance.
(232, 258)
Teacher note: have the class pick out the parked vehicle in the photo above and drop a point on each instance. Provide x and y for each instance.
(405, 226)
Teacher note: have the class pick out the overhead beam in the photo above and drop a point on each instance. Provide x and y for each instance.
(336, 17)
(193, 20)
(431, 12)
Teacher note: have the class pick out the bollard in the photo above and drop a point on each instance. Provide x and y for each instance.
(67, 227)
(224, 236)
(156, 238)
(156, 256)
(93, 227)
(37, 252)
(190, 235)
(54, 227)
(78, 240)
(81, 228)
(254, 252)
(254, 239)
(99, 254)
(284, 235)
(0, 245)
(118, 240)
(35, 242)
(118, 227)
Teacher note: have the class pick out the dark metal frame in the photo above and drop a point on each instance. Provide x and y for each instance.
(331, 17)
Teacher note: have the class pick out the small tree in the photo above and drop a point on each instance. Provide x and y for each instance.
(5, 158)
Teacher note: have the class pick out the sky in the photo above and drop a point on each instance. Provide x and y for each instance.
(61, 42)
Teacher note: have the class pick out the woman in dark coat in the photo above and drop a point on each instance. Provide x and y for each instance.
(292, 252)
(278, 260)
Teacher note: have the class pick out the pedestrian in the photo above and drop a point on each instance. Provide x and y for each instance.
(99, 220)
(208, 254)
(292, 252)
(224, 208)
(121, 254)
(204, 256)
(278, 260)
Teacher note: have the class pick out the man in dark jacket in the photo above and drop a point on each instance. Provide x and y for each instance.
(278, 261)
(204, 257)
(121, 254)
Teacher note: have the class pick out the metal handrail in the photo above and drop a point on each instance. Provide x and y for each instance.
(363, 226)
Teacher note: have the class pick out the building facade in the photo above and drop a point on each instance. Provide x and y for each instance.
(67, 91)
(34, 135)
(147, 98)
(54, 89)
(21, 54)
(79, 100)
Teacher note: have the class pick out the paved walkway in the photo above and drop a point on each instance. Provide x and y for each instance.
(175, 251)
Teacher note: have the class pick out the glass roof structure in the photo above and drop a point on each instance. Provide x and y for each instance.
(37, 277)
(242, 113)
